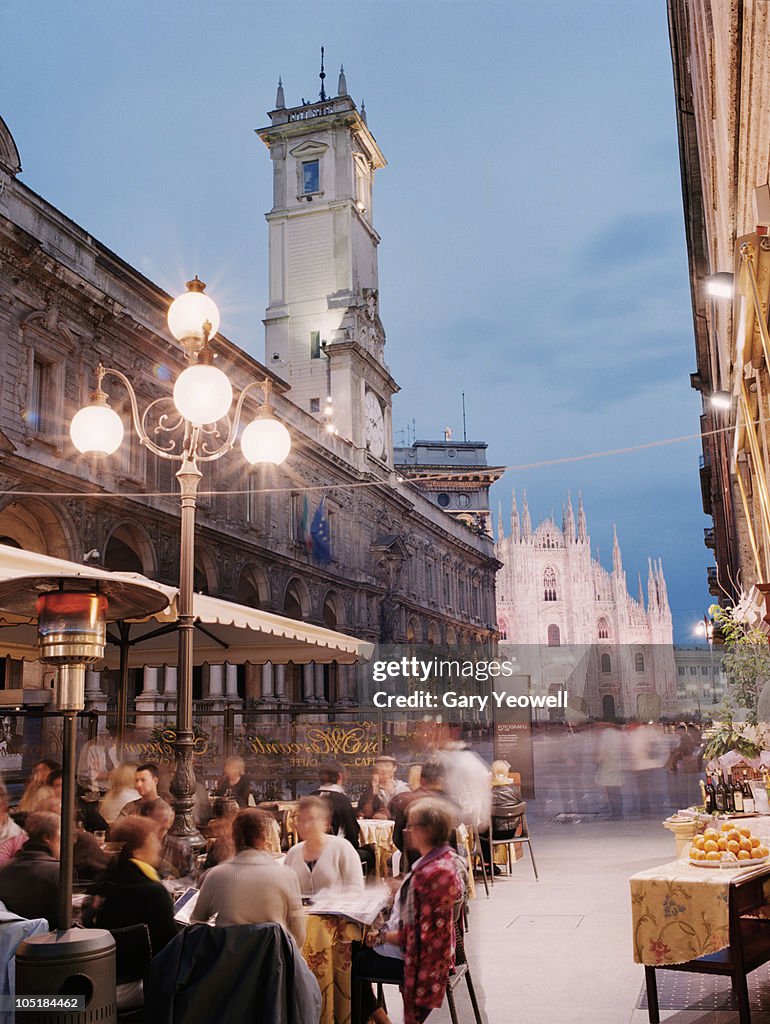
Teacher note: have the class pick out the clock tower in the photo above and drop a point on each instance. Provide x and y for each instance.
(323, 332)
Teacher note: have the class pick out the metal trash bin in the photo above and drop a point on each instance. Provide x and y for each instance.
(76, 962)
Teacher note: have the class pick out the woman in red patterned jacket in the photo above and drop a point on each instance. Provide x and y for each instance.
(417, 945)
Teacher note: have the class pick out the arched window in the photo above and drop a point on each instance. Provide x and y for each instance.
(502, 628)
(554, 635)
(639, 662)
(549, 585)
(604, 629)
(606, 664)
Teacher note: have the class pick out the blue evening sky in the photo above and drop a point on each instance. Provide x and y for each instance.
(532, 239)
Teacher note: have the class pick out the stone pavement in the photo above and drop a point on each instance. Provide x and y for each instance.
(559, 950)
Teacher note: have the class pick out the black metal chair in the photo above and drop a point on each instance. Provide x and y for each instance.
(515, 822)
(749, 947)
(461, 970)
(477, 856)
(133, 953)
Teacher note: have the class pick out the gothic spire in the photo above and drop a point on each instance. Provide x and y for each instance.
(363, 110)
(280, 102)
(641, 592)
(526, 531)
(652, 591)
(342, 85)
(500, 527)
(322, 76)
(617, 561)
(515, 524)
(569, 522)
(582, 529)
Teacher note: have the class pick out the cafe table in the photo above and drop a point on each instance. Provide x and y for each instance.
(378, 832)
(328, 953)
(680, 911)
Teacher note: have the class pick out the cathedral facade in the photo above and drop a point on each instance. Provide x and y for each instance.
(571, 622)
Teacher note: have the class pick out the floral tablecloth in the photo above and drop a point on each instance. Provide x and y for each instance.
(680, 912)
(327, 952)
(378, 832)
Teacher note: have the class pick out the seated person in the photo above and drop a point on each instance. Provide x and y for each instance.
(432, 776)
(146, 784)
(131, 891)
(322, 861)
(29, 882)
(8, 827)
(40, 773)
(506, 797)
(220, 845)
(120, 792)
(416, 946)
(235, 784)
(375, 801)
(252, 887)
(343, 821)
(176, 856)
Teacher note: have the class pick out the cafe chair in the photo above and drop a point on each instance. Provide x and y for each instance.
(460, 970)
(133, 953)
(749, 948)
(477, 856)
(240, 974)
(516, 820)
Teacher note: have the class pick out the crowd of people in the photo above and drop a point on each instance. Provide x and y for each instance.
(126, 852)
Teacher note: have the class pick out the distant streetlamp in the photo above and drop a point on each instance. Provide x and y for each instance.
(186, 433)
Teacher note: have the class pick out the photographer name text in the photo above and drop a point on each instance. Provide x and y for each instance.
(452, 699)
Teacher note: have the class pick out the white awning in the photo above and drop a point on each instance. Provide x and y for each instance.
(224, 631)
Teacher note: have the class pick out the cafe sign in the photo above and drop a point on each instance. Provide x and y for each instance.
(353, 745)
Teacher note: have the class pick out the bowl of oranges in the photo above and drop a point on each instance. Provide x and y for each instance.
(729, 846)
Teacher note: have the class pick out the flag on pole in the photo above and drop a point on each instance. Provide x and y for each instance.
(319, 532)
(304, 527)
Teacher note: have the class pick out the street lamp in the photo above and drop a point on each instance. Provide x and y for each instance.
(186, 433)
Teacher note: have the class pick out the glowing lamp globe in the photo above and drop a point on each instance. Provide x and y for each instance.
(265, 440)
(193, 316)
(203, 393)
(96, 429)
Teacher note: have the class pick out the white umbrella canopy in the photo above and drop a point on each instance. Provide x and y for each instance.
(224, 631)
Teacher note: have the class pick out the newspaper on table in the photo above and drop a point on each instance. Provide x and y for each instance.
(362, 906)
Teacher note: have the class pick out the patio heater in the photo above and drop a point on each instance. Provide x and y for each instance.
(72, 614)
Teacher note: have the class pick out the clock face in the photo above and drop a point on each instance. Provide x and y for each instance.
(375, 425)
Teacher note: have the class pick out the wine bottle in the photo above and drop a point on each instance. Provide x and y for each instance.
(720, 795)
(729, 806)
(737, 791)
(709, 796)
(749, 805)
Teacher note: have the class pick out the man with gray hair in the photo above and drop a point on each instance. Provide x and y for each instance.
(29, 882)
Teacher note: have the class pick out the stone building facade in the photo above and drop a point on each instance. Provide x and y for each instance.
(67, 302)
(721, 63)
(572, 623)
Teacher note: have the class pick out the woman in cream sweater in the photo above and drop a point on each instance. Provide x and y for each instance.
(322, 861)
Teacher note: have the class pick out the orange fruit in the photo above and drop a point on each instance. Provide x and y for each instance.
(744, 831)
(745, 843)
(733, 846)
(710, 846)
(697, 854)
(744, 855)
(722, 842)
(698, 842)
(755, 854)
(763, 849)
(711, 833)
(734, 834)
(713, 855)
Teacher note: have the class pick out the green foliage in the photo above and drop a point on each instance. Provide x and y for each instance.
(724, 738)
(746, 660)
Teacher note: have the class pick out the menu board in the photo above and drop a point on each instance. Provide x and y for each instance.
(513, 732)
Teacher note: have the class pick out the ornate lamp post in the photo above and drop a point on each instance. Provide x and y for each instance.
(184, 429)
